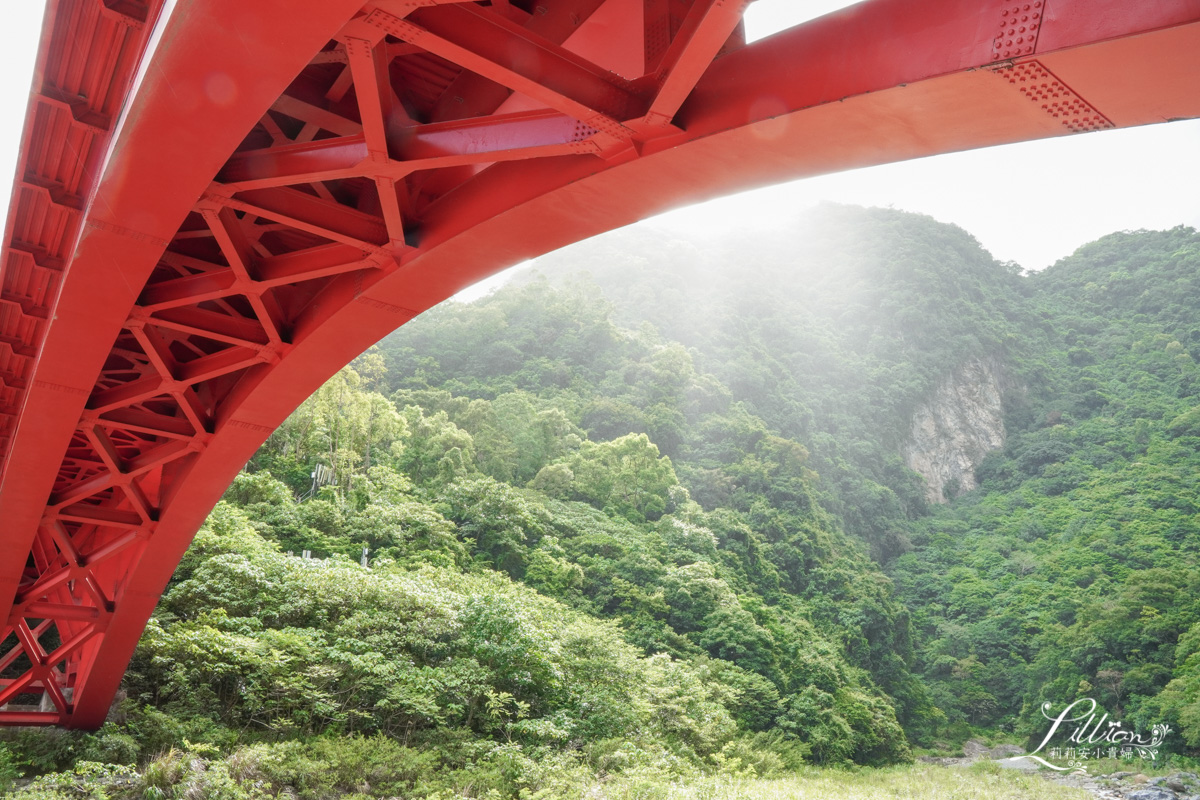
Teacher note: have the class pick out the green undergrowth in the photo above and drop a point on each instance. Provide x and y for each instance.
(648, 533)
(320, 771)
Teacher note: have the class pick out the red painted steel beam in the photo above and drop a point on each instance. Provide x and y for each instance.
(301, 162)
(325, 218)
(410, 148)
(705, 30)
(70, 117)
(472, 94)
(507, 54)
(163, 372)
(155, 172)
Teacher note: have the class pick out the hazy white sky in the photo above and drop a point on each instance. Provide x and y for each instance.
(1077, 188)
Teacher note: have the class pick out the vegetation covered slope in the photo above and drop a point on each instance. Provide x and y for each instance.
(651, 520)
(1072, 571)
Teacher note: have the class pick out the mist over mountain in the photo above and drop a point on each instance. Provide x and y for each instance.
(890, 347)
(659, 508)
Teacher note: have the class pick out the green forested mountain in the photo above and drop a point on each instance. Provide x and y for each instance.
(1072, 569)
(647, 515)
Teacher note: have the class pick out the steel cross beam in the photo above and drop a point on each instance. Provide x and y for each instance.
(267, 205)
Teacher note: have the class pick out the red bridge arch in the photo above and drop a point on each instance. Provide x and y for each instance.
(216, 211)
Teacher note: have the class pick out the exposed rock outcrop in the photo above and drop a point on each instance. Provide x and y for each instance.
(956, 427)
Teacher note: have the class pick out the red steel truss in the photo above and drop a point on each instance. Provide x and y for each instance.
(214, 212)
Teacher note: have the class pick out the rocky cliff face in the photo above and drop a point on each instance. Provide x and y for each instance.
(956, 427)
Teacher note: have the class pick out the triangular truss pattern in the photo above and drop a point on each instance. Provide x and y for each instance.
(410, 102)
(423, 144)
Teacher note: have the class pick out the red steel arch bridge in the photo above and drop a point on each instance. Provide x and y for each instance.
(221, 202)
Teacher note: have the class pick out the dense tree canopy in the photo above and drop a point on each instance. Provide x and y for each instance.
(651, 515)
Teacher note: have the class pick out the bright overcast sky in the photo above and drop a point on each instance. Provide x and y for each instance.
(1077, 188)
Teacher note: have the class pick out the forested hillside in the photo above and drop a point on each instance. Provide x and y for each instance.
(636, 517)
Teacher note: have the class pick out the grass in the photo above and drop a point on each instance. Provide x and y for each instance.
(1164, 765)
(918, 782)
(177, 775)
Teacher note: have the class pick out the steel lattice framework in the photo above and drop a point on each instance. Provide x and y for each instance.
(215, 211)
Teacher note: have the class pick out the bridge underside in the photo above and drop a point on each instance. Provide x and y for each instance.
(216, 211)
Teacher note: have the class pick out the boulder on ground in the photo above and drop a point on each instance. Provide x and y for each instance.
(1151, 793)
